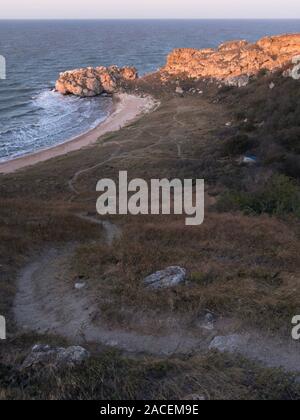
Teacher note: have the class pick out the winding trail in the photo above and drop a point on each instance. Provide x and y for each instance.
(112, 231)
(77, 174)
(114, 156)
(49, 304)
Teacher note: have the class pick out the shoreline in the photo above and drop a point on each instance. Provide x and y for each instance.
(126, 108)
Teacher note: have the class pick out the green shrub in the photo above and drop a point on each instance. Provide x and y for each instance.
(280, 196)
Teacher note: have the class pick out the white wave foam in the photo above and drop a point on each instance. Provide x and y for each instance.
(53, 120)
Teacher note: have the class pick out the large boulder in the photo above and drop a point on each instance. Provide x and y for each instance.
(55, 356)
(91, 81)
(234, 59)
(170, 277)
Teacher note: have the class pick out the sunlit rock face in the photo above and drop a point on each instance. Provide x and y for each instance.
(233, 63)
(91, 81)
(234, 59)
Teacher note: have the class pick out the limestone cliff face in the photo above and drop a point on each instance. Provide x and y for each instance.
(234, 59)
(94, 81)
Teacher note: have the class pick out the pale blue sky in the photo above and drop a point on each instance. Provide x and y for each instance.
(99, 9)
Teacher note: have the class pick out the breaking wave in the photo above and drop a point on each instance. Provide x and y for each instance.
(47, 120)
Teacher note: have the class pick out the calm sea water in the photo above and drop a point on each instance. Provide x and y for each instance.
(32, 116)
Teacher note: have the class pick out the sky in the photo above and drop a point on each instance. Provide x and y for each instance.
(123, 9)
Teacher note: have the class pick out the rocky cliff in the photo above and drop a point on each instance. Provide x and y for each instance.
(234, 59)
(94, 81)
(233, 63)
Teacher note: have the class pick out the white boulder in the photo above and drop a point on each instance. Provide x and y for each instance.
(55, 356)
(170, 277)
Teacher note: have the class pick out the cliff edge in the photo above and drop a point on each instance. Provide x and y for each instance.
(234, 59)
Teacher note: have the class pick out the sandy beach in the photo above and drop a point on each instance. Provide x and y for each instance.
(126, 109)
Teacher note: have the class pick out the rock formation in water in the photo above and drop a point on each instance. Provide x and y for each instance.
(233, 62)
(94, 81)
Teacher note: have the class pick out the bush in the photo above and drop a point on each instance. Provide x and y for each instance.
(289, 138)
(291, 166)
(271, 117)
(278, 197)
(237, 145)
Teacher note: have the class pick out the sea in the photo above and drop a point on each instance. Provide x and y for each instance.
(34, 117)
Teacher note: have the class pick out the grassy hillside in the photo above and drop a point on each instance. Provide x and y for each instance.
(242, 263)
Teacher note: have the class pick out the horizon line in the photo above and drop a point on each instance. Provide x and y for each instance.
(151, 18)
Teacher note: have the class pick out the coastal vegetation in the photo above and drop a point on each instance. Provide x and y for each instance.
(242, 263)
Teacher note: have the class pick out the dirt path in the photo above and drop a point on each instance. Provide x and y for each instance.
(270, 350)
(114, 156)
(47, 302)
(112, 231)
(77, 174)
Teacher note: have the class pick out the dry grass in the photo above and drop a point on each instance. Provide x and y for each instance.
(241, 267)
